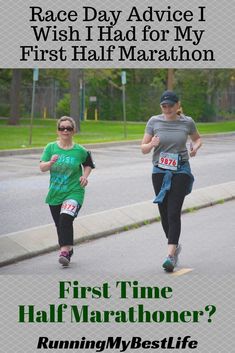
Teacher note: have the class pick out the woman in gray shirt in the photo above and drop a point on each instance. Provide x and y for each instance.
(166, 134)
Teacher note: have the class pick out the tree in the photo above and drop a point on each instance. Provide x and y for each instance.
(200, 89)
(15, 97)
(170, 79)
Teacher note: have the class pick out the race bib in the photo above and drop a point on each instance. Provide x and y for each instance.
(70, 207)
(168, 161)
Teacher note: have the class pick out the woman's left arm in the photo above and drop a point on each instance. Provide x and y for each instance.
(84, 177)
(196, 139)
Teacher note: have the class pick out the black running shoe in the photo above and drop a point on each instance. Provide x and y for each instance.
(64, 258)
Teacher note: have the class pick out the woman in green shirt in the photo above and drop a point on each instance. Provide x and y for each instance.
(69, 164)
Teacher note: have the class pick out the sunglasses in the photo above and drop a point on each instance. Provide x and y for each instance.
(63, 128)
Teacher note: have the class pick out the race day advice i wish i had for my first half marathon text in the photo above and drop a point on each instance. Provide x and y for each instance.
(104, 34)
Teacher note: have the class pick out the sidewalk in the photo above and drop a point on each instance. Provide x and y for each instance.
(34, 241)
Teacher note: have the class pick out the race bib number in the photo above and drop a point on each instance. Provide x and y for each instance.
(70, 207)
(168, 161)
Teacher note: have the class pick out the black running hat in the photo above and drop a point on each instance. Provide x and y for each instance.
(169, 97)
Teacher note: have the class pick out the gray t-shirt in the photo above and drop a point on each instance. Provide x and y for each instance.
(173, 135)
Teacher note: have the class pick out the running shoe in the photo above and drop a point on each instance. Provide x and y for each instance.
(169, 263)
(64, 258)
(177, 252)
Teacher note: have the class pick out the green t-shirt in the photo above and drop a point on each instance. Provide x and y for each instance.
(65, 173)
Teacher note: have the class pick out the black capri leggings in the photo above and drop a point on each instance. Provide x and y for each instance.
(170, 208)
(64, 225)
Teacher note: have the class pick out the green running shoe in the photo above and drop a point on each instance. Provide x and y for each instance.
(169, 263)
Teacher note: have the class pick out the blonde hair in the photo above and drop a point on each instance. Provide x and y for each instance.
(67, 118)
(180, 110)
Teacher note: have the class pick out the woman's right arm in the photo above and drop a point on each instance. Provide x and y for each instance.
(45, 166)
(149, 142)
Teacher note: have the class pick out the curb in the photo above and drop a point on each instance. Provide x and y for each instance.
(35, 241)
(39, 150)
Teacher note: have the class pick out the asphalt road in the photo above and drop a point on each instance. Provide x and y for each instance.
(208, 249)
(122, 177)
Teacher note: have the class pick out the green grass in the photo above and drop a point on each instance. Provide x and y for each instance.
(212, 128)
(44, 131)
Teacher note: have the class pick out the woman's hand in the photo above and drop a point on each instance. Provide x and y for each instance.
(195, 144)
(155, 141)
(54, 158)
(149, 142)
(45, 166)
(83, 181)
(84, 178)
(193, 150)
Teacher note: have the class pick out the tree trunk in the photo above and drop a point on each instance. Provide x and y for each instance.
(170, 79)
(74, 78)
(15, 97)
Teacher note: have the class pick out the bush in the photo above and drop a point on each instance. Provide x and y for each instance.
(4, 110)
(63, 106)
(208, 113)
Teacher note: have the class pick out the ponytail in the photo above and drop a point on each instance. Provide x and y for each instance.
(180, 110)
